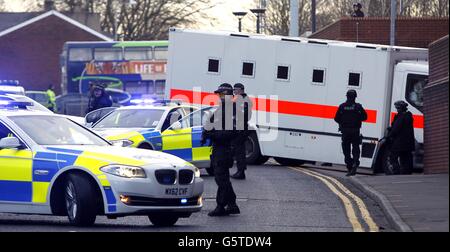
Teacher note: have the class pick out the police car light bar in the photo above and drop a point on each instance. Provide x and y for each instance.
(155, 102)
(14, 104)
(9, 83)
(6, 89)
(142, 101)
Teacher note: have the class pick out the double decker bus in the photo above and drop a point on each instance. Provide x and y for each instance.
(137, 67)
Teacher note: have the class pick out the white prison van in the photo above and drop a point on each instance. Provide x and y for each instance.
(297, 85)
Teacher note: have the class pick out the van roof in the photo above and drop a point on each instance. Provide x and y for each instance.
(299, 40)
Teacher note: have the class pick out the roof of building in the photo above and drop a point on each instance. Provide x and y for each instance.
(410, 31)
(12, 21)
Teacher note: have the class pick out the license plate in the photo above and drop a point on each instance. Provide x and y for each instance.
(177, 191)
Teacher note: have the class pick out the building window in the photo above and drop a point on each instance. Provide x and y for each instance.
(414, 90)
(248, 69)
(283, 72)
(80, 54)
(354, 79)
(318, 77)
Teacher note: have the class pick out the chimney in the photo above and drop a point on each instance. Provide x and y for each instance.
(49, 5)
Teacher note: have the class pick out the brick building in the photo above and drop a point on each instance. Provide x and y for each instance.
(436, 111)
(31, 44)
(411, 32)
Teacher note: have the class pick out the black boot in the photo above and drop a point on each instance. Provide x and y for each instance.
(219, 211)
(232, 209)
(349, 171)
(354, 169)
(239, 175)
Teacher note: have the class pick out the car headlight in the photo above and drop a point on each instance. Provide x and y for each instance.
(196, 170)
(122, 143)
(125, 171)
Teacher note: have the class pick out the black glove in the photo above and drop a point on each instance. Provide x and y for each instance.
(203, 140)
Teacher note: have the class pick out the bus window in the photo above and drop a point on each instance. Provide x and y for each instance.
(161, 53)
(151, 87)
(80, 54)
(138, 54)
(160, 86)
(137, 87)
(108, 54)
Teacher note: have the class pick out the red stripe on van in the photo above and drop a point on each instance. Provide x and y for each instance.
(418, 120)
(284, 107)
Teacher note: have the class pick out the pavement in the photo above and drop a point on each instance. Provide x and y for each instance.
(411, 203)
(273, 198)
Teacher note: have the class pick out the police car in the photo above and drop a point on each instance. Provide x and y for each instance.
(11, 87)
(51, 165)
(154, 126)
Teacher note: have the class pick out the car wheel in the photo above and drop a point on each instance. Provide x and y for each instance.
(80, 201)
(289, 161)
(163, 220)
(252, 151)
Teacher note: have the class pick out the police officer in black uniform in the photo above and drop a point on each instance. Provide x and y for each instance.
(357, 12)
(350, 116)
(99, 98)
(219, 129)
(242, 111)
(401, 137)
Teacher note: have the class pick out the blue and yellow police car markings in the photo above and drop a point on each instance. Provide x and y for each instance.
(26, 178)
(199, 152)
(16, 175)
(133, 136)
(45, 166)
(154, 137)
(178, 143)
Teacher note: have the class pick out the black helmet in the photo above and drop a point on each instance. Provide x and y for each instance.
(357, 5)
(352, 93)
(98, 86)
(239, 86)
(225, 89)
(401, 105)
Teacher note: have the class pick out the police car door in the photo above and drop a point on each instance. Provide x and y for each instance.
(177, 139)
(199, 153)
(16, 164)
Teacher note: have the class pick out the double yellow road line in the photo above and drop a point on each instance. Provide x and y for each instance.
(346, 196)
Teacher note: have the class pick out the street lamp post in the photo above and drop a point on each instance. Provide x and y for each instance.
(393, 21)
(258, 13)
(240, 15)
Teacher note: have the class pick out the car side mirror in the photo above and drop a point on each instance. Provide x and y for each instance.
(92, 117)
(176, 126)
(10, 143)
